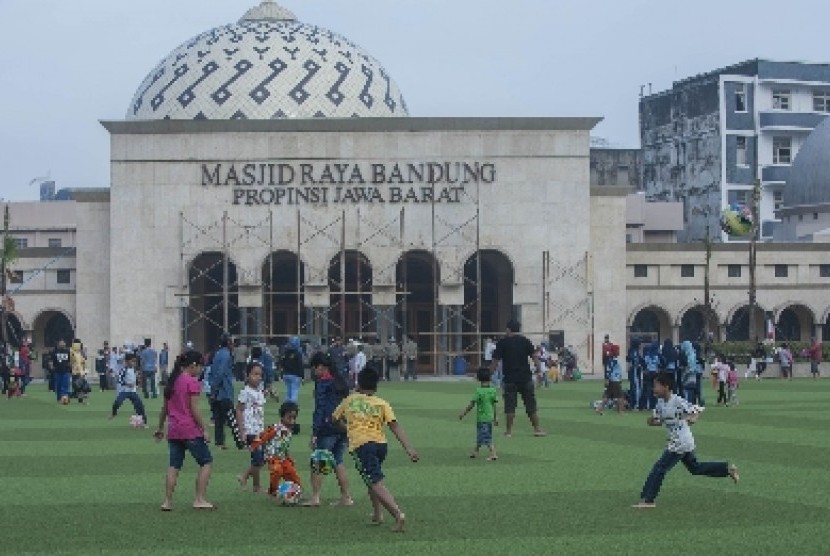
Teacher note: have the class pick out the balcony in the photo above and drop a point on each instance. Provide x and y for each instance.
(790, 120)
(775, 174)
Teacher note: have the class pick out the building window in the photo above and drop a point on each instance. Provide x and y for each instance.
(740, 150)
(801, 218)
(815, 216)
(741, 195)
(21, 242)
(740, 97)
(782, 271)
(16, 276)
(687, 271)
(733, 271)
(778, 199)
(628, 238)
(824, 270)
(781, 99)
(821, 101)
(782, 150)
(54, 242)
(63, 276)
(640, 271)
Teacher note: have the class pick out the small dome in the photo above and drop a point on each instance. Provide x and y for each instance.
(809, 181)
(267, 66)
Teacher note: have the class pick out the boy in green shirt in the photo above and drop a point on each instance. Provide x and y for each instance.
(484, 400)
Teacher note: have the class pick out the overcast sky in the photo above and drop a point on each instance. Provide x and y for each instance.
(65, 64)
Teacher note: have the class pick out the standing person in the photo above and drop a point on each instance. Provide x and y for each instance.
(164, 359)
(276, 440)
(268, 373)
(221, 389)
(815, 357)
(607, 351)
(651, 364)
(484, 400)
(393, 360)
(410, 354)
(732, 385)
(149, 367)
(25, 364)
(250, 414)
(689, 364)
(514, 351)
(61, 369)
(80, 387)
(358, 363)
(101, 370)
(126, 385)
(760, 355)
(668, 362)
(721, 372)
(292, 369)
(185, 429)
(329, 390)
(339, 358)
(47, 364)
(677, 414)
(240, 360)
(785, 357)
(635, 372)
(366, 415)
(613, 381)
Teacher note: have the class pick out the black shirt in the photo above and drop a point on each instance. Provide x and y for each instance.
(60, 358)
(513, 352)
(292, 363)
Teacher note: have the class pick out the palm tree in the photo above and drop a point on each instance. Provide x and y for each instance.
(8, 256)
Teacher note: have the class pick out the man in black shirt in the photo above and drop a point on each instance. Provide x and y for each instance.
(62, 369)
(513, 351)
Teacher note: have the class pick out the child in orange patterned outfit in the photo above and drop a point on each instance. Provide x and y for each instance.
(277, 439)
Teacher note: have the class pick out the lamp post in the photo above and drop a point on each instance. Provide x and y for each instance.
(6, 256)
(753, 252)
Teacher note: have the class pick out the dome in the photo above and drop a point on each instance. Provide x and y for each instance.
(809, 181)
(266, 66)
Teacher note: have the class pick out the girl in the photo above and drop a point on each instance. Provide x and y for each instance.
(250, 413)
(186, 430)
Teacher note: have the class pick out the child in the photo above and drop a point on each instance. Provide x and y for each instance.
(677, 414)
(721, 370)
(250, 414)
(185, 429)
(732, 385)
(330, 389)
(365, 416)
(126, 388)
(484, 400)
(613, 384)
(80, 386)
(785, 357)
(277, 439)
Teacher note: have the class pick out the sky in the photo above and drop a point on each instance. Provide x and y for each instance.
(67, 64)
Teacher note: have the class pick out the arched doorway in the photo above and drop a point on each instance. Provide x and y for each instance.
(350, 284)
(496, 286)
(283, 276)
(694, 324)
(208, 313)
(795, 324)
(415, 307)
(737, 329)
(48, 328)
(650, 324)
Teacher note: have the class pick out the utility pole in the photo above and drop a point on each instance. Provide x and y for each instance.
(753, 252)
(707, 297)
(3, 313)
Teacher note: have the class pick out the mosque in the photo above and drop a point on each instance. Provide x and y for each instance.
(268, 180)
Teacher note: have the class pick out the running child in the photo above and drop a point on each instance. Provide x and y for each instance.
(484, 400)
(276, 440)
(126, 388)
(250, 414)
(185, 428)
(365, 415)
(677, 414)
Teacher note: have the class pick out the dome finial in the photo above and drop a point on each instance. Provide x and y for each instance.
(268, 10)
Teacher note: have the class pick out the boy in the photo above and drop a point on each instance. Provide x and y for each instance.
(365, 416)
(677, 414)
(278, 439)
(485, 400)
(126, 387)
(613, 383)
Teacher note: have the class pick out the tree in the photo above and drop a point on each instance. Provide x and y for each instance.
(8, 257)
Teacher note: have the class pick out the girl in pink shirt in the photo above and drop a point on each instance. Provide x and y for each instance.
(185, 428)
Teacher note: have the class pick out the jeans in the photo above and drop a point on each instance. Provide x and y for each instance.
(138, 405)
(667, 460)
(634, 387)
(220, 419)
(149, 378)
(62, 385)
(292, 387)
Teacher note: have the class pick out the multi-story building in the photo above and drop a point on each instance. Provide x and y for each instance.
(710, 137)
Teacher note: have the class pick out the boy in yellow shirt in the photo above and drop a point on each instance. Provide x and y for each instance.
(365, 415)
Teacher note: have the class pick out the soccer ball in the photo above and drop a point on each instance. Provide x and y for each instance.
(136, 422)
(322, 462)
(289, 493)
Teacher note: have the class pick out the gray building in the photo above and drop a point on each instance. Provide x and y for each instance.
(707, 139)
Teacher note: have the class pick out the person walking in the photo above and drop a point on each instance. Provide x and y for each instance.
(221, 389)
(514, 352)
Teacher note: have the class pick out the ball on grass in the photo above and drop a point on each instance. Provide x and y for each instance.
(289, 493)
(136, 421)
(322, 462)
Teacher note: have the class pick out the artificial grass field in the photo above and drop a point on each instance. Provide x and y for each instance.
(72, 482)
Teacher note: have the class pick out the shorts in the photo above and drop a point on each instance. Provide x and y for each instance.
(257, 455)
(334, 443)
(614, 391)
(512, 389)
(279, 468)
(814, 367)
(197, 447)
(368, 459)
(484, 434)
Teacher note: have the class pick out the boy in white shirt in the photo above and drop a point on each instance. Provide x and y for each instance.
(250, 414)
(677, 414)
(125, 383)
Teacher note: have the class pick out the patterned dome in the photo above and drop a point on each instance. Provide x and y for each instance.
(809, 181)
(267, 66)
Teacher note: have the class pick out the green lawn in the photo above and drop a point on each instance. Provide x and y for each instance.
(72, 482)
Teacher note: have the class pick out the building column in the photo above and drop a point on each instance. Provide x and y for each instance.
(675, 334)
